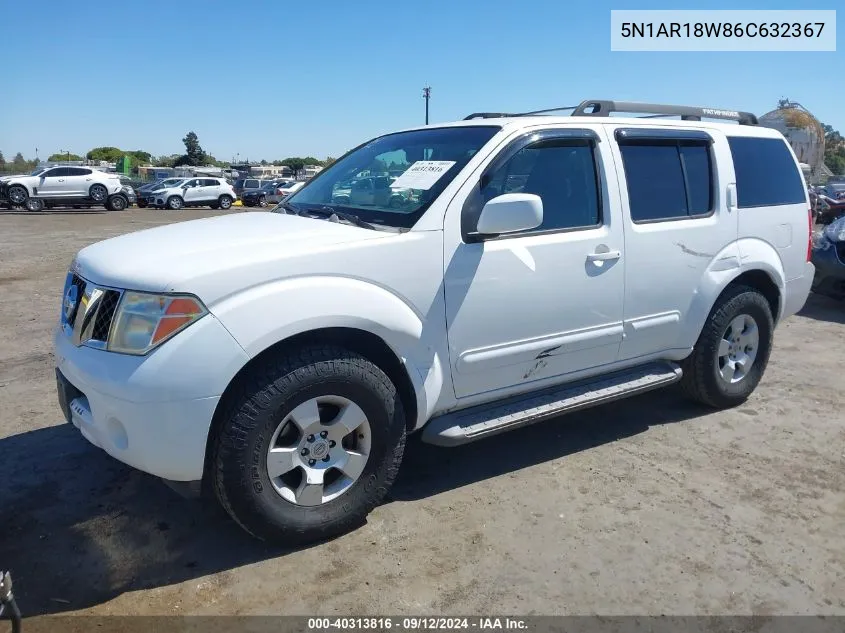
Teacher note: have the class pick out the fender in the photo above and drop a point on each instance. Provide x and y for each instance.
(264, 315)
(739, 257)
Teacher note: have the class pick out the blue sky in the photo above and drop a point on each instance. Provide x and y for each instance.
(269, 79)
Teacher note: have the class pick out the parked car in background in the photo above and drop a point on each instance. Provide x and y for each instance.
(829, 260)
(243, 184)
(288, 189)
(145, 192)
(65, 186)
(259, 197)
(194, 192)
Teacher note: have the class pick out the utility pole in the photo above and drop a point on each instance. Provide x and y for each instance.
(426, 96)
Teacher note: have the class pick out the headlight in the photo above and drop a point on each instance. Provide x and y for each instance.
(835, 231)
(144, 321)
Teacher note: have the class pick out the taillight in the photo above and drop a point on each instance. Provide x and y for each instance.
(278, 192)
(809, 234)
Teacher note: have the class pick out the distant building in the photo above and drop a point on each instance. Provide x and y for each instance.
(308, 172)
(270, 171)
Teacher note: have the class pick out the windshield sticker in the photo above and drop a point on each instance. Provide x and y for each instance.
(423, 174)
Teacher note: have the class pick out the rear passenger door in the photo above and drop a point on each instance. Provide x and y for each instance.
(677, 222)
(78, 181)
(209, 190)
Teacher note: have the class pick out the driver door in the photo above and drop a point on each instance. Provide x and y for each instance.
(53, 183)
(193, 190)
(525, 309)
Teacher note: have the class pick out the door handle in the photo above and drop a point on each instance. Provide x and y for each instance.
(88, 179)
(61, 179)
(603, 257)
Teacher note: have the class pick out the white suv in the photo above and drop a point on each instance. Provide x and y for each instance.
(543, 264)
(64, 185)
(193, 192)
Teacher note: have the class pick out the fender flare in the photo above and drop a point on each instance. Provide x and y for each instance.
(741, 257)
(268, 314)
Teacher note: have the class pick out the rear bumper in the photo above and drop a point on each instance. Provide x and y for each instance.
(797, 290)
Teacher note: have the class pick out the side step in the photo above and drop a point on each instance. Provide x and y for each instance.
(484, 420)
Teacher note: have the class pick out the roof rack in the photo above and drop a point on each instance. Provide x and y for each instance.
(687, 113)
(603, 108)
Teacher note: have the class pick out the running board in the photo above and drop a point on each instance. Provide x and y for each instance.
(485, 420)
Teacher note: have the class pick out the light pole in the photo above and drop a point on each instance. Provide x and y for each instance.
(426, 96)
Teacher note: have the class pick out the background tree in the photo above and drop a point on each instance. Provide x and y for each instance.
(108, 154)
(296, 164)
(834, 150)
(19, 163)
(194, 154)
(328, 161)
(63, 156)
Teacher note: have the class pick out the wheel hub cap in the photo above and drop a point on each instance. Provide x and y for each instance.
(319, 450)
(738, 349)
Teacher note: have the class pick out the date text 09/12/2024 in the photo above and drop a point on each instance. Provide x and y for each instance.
(416, 623)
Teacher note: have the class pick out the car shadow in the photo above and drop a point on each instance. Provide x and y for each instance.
(59, 212)
(79, 528)
(821, 308)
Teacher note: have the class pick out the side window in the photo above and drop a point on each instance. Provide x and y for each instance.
(208, 182)
(58, 172)
(562, 172)
(766, 173)
(78, 171)
(667, 180)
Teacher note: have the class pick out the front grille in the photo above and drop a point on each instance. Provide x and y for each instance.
(79, 282)
(102, 325)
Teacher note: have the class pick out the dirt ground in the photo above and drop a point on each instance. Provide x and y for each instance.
(648, 506)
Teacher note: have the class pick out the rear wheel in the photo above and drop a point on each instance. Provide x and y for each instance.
(175, 203)
(116, 203)
(141, 204)
(98, 193)
(732, 352)
(262, 201)
(225, 202)
(309, 446)
(34, 204)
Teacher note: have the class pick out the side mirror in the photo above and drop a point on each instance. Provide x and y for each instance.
(511, 212)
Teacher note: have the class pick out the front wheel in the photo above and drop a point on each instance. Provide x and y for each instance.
(141, 204)
(262, 201)
(310, 446)
(34, 204)
(732, 351)
(98, 193)
(225, 202)
(174, 203)
(17, 195)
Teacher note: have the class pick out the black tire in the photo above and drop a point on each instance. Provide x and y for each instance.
(262, 399)
(174, 203)
(225, 202)
(262, 201)
(98, 193)
(141, 204)
(34, 204)
(214, 205)
(701, 380)
(117, 203)
(17, 195)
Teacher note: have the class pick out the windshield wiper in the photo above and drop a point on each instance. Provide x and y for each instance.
(328, 212)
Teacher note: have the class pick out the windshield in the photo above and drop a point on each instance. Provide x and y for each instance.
(392, 179)
(170, 182)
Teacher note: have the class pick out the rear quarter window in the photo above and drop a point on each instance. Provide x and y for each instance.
(766, 172)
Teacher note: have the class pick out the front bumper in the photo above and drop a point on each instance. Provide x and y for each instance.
(151, 412)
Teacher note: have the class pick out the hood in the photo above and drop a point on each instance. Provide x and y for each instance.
(212, 257)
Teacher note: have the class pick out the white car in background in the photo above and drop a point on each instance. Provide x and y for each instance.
(64, 184)
(194, 192)
(289, 189)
